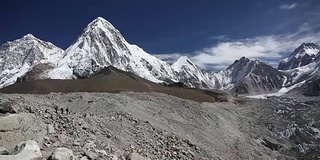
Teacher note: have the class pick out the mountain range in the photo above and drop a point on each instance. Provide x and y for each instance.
(101, 45)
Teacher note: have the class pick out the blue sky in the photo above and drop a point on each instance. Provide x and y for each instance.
(212, 33)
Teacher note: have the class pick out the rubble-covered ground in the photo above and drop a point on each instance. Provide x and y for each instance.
(293, 121)
(132, 125)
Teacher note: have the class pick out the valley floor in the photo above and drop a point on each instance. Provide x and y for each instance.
(128, 125)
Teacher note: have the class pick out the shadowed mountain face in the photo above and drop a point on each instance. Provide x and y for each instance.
(262, 78)
(301, 56)
(111, 80)
(250, 76)
(313, 88)
(309, 88)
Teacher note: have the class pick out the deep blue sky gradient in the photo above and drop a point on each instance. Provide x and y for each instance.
(163, 26)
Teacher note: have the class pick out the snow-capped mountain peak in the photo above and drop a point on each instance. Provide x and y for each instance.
(101, 45)
(191, 74)
(310, 48)
(306, 48)
(101, 23)
(181, 62)
(244, 65)
(301, 56)
(28, 36)
(19, 56)
(250, 76)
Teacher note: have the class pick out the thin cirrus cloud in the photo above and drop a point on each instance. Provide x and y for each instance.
(219, 38)
(271, 49)
(288, 6)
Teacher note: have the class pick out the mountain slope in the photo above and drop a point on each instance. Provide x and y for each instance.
(191, 74)
(112, 80)
(101, 45)
(246, 76)
(20, 56)
(301, 56)
(306, 78)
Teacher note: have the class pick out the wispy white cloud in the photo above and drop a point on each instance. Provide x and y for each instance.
(219, 38)
(288, 6)
(270, 48)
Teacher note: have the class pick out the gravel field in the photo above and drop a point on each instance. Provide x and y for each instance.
(131, 125)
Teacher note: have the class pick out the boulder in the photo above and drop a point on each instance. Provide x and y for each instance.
(115, 157)
(50, 129)
(3, 151)
(10, 107)
(62, 154)
(16, 128)
(91, 154)
(63, 138)
(136, 156)
(28, 150)
(84, 158)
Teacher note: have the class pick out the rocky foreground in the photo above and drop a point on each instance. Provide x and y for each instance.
(140, 126)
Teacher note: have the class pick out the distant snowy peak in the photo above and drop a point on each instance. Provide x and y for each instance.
(183, 62)
(242, 62)
(306, 48)
(29, 42)
(241, 68)
(102, 29)
(191, 74)
(29, 36)
(252, 76)
(19, 56)
(303, 68)
(301, 56)
(233, 74)
(100, 22)
(101, 45)
(32, 49)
